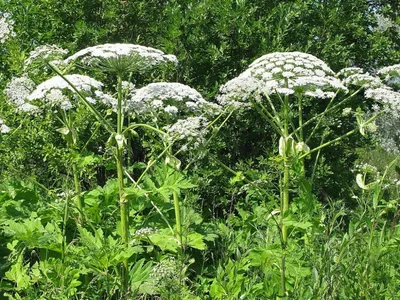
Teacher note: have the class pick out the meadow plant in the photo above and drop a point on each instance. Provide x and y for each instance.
(165, 101)
(278, 86)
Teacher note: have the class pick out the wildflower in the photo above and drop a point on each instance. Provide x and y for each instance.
(362, 80)
(346, 72)
(51, 89)
(169, 97)
(385, 95)
(191, 130)
(3, 127)
(393, 70)
(17, 90)
(346, 111)
(122, 57)
(6, 28)
(165, 274)
(146, 231)
(283, 73)
(44, 53)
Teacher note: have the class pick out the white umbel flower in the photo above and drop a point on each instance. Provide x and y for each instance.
(45, 53)
(51, 90)
(191, 131)
(362, 80)
(283, 73)
(151, 56)
(3, 127)
(6, 28)
(393, 70)
(17, 91)
(170, 97)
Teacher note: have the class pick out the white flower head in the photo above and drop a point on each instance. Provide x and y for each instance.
(52, 90)
(191, 131)
(346, 72)
(6, 28)
(171, 97)
(3, 127)
(17, 91)
(143, 57)
(283, 73)
(362, 80)
(384, 95)
(393, 70)
(44, 53)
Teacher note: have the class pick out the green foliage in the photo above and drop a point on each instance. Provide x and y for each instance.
(60, 242)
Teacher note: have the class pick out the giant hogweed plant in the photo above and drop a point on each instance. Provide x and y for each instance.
(279, 86)
(152, 108)
(168, 101)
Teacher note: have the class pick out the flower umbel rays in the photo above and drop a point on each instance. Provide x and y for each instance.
(122, 57)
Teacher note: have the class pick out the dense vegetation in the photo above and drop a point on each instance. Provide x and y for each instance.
(253, 156)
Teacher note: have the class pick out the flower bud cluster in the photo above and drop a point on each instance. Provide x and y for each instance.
(165, 273)
(145, 231)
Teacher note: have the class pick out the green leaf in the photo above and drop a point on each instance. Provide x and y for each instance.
(195, 240)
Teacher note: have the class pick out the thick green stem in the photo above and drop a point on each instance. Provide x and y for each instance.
(301, 135)
(78, 197)
(123, 201)
(285, 192)
(178, 223)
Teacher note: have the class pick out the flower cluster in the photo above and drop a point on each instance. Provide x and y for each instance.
(44, 53)
(169, 97)
(192, 130)
(387, 100)
(51, 90)
(17, 90)
(283, 73)
(362, 80)
(384, 23)
(3, 127)
(165, 273)
(93, 55)
(346, 72)
(146, 231)
(391, 75)
(6, 28)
